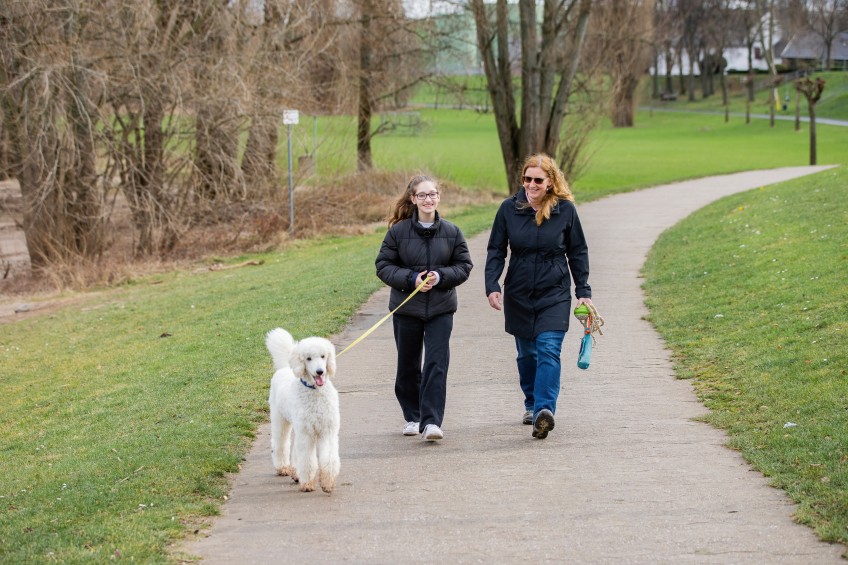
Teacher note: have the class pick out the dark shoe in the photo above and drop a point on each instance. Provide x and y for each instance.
(543, 424)
(528, 418)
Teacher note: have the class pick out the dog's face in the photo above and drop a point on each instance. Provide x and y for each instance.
(314, 360)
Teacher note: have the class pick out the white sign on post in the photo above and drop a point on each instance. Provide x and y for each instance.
(290, 117)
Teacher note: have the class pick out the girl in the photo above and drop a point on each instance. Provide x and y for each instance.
(421, 246)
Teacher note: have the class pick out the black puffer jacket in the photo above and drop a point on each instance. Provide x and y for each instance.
(537, 287)
(410, 248)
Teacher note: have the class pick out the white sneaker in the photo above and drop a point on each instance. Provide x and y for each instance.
(410, 429)
(432, 432)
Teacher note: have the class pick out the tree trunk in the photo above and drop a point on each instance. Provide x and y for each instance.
(145, 179)
(365, 107)
(50, 124)
(812, 90)
(669, 66)
(772, 102)
(813, 159)
(499, 83)
(216, 153)
(624, 102)
(86, 225)
(37, 206)
(259, 163)
(655, 78)
(747, 111)
(691, 80)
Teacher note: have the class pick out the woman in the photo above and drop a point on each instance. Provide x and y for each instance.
(421, 247)
(540, 227)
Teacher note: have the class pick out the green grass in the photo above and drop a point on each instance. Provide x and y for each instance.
(833, 104)
(113, 435)
(663, 147)
(455, 145)
(462, 146)
(115, 438)
(765, 340)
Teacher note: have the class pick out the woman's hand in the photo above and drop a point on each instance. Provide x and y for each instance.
(495, 300)
(583, 301)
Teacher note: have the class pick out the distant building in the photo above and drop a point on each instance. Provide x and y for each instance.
(735, 53)
(807, 50)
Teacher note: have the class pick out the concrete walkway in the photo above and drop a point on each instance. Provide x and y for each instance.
(627, 476)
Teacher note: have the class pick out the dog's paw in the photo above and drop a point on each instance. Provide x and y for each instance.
(285, 471)
(328, 482)
(307, 487)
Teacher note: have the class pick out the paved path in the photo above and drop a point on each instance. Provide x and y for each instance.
(757, 116)
(627, 476)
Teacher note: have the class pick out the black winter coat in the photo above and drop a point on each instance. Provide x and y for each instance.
(410, 248)
(537, 287)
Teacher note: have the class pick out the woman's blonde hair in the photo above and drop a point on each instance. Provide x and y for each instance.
(404, 207)
(559, 189)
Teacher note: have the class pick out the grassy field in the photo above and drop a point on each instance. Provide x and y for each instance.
(765, 341)
(124, 411)
(462, 146)
(833, 103)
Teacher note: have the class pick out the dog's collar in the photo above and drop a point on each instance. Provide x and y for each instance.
(306, 384)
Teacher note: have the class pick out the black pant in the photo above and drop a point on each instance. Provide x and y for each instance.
(421, 392)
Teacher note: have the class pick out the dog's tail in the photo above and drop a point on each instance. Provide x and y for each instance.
(280, 344)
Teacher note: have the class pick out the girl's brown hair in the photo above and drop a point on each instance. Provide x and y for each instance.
(559, 189)
(404, 207)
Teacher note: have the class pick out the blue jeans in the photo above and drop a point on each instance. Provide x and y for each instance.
(539, 370)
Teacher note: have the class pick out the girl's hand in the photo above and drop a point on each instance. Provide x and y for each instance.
(420, 278)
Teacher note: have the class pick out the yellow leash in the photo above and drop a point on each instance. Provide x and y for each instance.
(386, 317)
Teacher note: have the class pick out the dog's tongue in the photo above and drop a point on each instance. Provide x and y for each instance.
(319, 380)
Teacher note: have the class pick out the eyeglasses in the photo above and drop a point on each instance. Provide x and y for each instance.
(424, 195)
(537, 180)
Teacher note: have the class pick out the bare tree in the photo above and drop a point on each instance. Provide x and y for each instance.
(723, 26)
(548, 63)
(392, 50)
(826, 18)
(622, 31)
(269, 54)
(665, 31)
(292, 55)
(812, 91)
(218, 95)
(46, 90)
(765, 11)
(154, 41)
(691, 14)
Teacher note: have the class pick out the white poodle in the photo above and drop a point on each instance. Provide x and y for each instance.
(304, 410)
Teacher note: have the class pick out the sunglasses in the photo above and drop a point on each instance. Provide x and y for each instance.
(537, 180)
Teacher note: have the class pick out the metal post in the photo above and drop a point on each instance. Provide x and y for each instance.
(291, 187)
